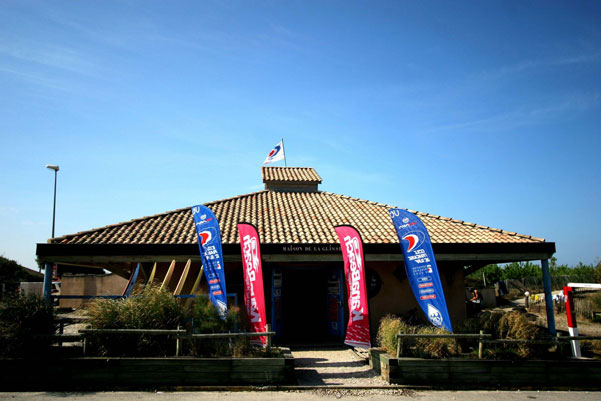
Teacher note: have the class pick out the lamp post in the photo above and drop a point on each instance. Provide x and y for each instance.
(55, 168)
(48, 268)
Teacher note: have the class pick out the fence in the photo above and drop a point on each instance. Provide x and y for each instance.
(487, 339)
(536, 283)
(180, 335)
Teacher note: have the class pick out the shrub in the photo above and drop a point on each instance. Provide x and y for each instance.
(391, 325)
(26, 324)
(514, 325)
(205, 319)
(152, 308)
(434, 347)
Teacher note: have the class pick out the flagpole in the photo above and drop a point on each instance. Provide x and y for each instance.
(284, 151)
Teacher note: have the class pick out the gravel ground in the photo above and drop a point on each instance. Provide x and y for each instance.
(334, 367)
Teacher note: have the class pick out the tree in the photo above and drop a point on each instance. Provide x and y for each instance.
(12, 272)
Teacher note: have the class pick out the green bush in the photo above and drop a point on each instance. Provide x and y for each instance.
(152, 308)
(205, 319)
(26, 324)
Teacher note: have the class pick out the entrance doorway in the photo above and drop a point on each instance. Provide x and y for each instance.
(309, 306)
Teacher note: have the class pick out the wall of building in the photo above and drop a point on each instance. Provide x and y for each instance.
(106, 284)
(396, 297)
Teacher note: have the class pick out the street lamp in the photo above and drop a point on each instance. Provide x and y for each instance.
(55, 168)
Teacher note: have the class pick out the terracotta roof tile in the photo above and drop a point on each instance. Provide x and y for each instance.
(289, 217)
(290, 174)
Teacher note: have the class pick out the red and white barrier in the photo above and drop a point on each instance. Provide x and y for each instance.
(568, 292)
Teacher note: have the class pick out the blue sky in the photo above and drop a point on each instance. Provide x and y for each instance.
(488, 112)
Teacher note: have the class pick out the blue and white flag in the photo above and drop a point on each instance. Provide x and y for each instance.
(209, 243)
(276, 154)
(420, 264)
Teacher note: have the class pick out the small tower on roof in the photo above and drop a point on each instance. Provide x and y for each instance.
(290, 179)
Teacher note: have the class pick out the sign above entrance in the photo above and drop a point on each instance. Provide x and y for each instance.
(306, 248)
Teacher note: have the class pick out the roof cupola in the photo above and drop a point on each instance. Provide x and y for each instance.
(290, 179)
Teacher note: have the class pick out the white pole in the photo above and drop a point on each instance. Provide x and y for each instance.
(284, 151)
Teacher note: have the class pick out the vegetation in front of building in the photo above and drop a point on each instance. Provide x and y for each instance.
(153, 308)
(391, 325)
(512, 325)
(26, 324)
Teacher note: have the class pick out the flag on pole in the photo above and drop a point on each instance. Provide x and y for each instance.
(276, 154)
(420, 264)
(357, 332)
(254, 297)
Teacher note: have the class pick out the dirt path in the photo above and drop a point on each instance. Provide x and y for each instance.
(585, 328)
(333, 367)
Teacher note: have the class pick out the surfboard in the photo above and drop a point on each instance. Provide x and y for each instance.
(168, 275)
(152, 273)
(132, 280)
(194, 288)
(182, 279)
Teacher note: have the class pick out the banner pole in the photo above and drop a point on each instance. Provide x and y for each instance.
(284, 150)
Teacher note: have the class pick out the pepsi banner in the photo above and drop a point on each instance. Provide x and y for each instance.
(209, 243)
(357, 331)
(420, 264)
(254, 297)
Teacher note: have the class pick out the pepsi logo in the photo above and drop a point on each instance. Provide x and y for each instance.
(413, 241)
(274, 151)
(205, 236)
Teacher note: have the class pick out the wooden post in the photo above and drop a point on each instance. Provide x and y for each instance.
(398, 347)
(548, 296)
(480, 345)
(47, 288)
(178, 343)
(85, 345)
(268, 326)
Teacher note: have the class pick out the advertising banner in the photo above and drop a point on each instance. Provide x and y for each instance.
(420, 264)
(254, 297)
(209, 243)
(357, 332)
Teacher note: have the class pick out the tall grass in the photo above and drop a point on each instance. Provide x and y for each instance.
(152, 308)
(391, 325)
(26, 324)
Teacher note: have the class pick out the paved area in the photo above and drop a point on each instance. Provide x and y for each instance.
(311, 395)
(334, 367)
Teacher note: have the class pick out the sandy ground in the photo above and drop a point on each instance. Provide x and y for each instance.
(585, 328)
(313, 395)
(334, 367)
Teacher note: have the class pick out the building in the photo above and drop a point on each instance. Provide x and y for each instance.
(302, 261)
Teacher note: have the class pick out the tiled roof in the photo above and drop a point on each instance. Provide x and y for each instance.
(290, 217)
(290, 174)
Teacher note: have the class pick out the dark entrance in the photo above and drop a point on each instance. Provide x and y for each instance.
(305, 305)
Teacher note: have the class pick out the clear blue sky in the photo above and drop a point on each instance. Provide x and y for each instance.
(484, 111)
